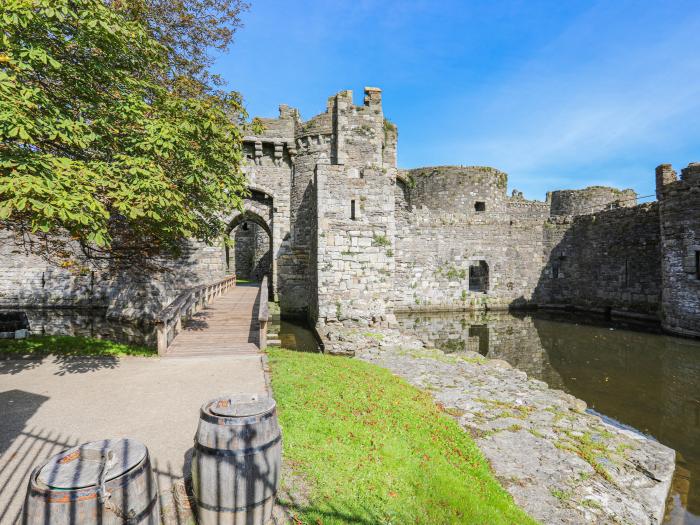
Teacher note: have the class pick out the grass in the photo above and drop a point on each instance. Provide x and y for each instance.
(65, 345)
(561, 495)
(372, 449)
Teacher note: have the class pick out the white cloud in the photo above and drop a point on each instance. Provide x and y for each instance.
(569, 106)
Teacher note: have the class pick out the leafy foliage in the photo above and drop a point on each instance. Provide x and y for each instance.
(95, 148)
(188, 29)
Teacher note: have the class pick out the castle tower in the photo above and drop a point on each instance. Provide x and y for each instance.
(355, 213)
(679, 214)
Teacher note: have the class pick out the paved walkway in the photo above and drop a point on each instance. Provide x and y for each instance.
(227, 326)
(52, 404)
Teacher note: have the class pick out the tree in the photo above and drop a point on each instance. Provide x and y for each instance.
(95, 150)
(189, 30)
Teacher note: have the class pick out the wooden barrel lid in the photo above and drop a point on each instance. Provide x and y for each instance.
(81, 466)
(242, 405)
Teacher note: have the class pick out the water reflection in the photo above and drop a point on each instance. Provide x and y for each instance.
(88, 323)
(295, 335)
(646, 380)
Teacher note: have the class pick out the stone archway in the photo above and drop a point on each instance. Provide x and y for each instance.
(253, 230)
(250, 257)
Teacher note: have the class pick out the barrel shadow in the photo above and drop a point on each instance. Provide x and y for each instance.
(235, 467)
(34, 447)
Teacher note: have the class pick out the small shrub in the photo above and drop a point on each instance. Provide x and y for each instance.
(380, 240)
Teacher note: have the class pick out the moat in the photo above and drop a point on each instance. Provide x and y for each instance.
(639, 379)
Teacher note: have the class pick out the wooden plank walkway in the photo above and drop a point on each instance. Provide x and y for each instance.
(227, 326)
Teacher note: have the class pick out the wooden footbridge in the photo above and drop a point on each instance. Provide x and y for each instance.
(222, 318)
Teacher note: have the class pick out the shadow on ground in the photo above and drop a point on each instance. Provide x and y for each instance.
(67, 364)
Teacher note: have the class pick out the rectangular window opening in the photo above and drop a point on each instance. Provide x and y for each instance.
(352, 210)
(479, 277)
(697, 264)
(479, 206)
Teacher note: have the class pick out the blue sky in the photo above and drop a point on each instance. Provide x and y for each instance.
(559, 94)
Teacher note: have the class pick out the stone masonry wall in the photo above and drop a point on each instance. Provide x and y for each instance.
(28, 281)
(354, 256)
(589, 200)
(451, 218)
(608, 261)
(679, 202)
(270, 159)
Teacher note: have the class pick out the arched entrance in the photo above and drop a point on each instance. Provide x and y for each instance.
(250, 256)
(256, 238)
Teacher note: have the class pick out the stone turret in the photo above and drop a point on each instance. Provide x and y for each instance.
(665, 174)
(691, 172)
(590, 200)
(679, 214)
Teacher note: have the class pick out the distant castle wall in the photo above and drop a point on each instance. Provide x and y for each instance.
(462, 243)
(607, 261)
(589, 200)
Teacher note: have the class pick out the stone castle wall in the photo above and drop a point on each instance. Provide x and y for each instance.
(355, 214)
(29, 281)
(355, 259)
(589, 200)
(679, 204)
(449, 219)
(607, 261)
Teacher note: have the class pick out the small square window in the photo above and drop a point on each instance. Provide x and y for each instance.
(479, 206)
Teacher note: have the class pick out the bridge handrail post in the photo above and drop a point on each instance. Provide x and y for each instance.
(263, 313)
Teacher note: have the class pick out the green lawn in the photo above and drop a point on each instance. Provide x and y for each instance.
(68, 345)
(367, 448)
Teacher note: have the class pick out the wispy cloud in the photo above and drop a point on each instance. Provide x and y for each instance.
(558, 94)
(616, 101)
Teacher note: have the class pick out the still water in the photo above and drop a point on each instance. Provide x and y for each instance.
(641, 379)
(90, 322)
(295, 335)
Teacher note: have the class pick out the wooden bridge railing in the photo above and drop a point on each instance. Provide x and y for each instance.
(263, 312)
(169, 320)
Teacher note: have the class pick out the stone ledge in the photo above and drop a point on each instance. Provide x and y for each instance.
(559, 462)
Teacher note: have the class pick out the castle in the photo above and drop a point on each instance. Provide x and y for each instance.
(345, 235)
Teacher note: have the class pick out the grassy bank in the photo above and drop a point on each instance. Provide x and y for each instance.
(65, 345)
(365, 447)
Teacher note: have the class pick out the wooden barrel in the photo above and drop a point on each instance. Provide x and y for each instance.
(106, 482)
(236, 461)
